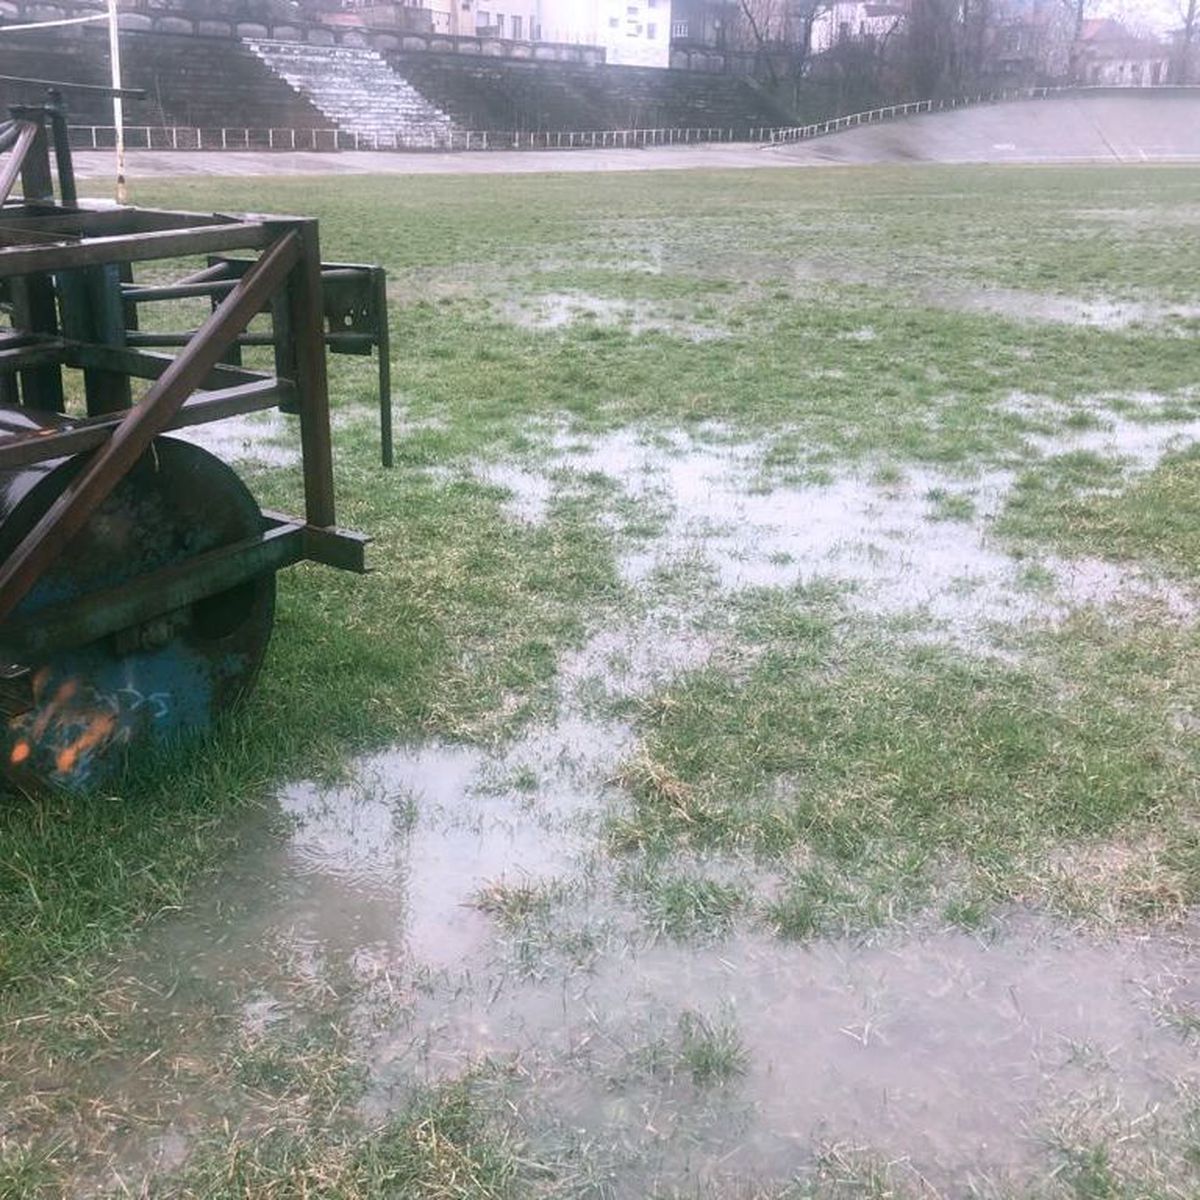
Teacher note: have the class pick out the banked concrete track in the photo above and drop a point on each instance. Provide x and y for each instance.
(1110, 125)
(1132, 126)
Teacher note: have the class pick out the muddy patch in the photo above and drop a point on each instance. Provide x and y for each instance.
(564, 310)
(1093, 312)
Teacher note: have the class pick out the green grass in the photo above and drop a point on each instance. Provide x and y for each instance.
(1077, 505)
(826, 774)
(685, 906)
(1053, 231)
(886, 771)
(928, 386)
(443, 1147)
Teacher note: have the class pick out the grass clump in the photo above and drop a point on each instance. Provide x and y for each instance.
(684, 905)
(711, 1049)
(884, 770)
(707, 1051)
(513, 905)
(947, 506)
(447, 1145)
(826, 899)
(314, 1065)
(1048, 494)
(1155, 519)
(28, 1173)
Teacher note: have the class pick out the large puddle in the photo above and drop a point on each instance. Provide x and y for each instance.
(453, 904)
(957, 1054)
(913, 544)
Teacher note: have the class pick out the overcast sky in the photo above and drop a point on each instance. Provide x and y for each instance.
(1159, 15)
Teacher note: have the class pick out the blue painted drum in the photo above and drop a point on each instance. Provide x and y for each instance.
(70, 718)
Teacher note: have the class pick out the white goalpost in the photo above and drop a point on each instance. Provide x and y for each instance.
(114, 53)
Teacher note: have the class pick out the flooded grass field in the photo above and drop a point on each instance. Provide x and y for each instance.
(762, 765)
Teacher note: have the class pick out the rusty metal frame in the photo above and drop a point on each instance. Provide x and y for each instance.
(20, 134)
(197, 385)
(345, 286)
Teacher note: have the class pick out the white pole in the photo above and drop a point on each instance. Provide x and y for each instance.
(114, 52)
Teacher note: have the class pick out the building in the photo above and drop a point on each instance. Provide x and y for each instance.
(1108, 54)
(704, 22)
(512, 20)
(631, 32)
(855, 20)
(1030, 42)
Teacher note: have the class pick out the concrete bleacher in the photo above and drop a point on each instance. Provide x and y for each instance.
(356, 88)
(507, 94)
(189, 81)
(389, 98)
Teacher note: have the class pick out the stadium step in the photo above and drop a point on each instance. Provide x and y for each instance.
(358, 90)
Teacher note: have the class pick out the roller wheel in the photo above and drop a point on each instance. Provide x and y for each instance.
(73, 718)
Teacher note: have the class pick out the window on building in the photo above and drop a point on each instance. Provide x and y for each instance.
(466, 5)
(679, 29)
(517, 27)
(631, 11)
(633, 30)
(535, 33)
(482, 19)
(614, 22)
(651, 3)
(499, 23)
(652, 31)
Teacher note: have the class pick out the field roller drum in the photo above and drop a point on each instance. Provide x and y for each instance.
(77, 699)
(137, 570)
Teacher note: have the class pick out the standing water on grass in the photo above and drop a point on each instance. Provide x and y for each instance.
(780, 678)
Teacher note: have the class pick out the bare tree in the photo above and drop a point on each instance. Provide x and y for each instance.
(781, 32)
(760, 16)
(1078, 10)
(934, 46)
(1186, 42)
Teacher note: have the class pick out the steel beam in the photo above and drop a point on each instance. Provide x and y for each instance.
(97, 614)
(165, 397)
(89, 434)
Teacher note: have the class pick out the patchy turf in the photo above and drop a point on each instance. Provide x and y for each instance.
(777, 690)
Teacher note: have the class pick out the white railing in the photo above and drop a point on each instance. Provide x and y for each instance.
(887, 112)
(185, 137)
